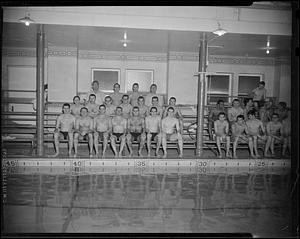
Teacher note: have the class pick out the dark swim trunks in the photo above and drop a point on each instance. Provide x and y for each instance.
(153, 135)
(65, 134)
(135, 135)
(118, 135)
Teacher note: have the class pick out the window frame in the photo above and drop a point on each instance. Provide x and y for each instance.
(261, 76)
(229, 94)
(93, 69)
(137, 70)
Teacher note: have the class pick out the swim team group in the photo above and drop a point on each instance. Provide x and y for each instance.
(134, 117)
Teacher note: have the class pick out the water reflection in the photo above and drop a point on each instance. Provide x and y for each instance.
(256, 203)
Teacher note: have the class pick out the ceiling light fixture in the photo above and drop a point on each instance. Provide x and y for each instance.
(26, 20)
(125, 39)
(268, 45)
(219, 31)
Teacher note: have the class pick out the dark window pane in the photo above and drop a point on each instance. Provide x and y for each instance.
(106, 79)
(218, 84)
(211, 98)
(247, 84)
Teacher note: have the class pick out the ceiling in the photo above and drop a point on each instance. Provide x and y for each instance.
(144, 40)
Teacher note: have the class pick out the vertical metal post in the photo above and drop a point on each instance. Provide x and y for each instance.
(168, 69)
(201, 93)
(40, 50)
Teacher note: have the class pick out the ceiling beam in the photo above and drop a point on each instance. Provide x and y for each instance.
(184, 18)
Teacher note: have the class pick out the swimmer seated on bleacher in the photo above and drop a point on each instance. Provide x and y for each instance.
(83, 129)
(221, 127)
(274, 131)
(256, 131)
(119, 129)
(171, 131)
(153, 130)
(65, 124)
(136, 131)
(239, 133)
(102, 129)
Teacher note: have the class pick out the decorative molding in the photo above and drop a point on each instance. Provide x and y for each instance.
(62, 51)
(282, 61)
(241, 60)
(143, 56)
(216, 59)
(123, 56)
(18, 52)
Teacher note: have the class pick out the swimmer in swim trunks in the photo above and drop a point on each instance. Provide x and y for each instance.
(214, 115)
(126, 107)
(75, 108)
(171, 131)
(84, 128)
(65, 125)
(136, 130)
(133, 97)
(110, 108)
(153, 130)
(239, 132)
(142, 107)
(274, 132)
(102, 128)
(221, 127)
(92, 106)
(116, 96)
(119, 128)
(256, 131)
(155, 103)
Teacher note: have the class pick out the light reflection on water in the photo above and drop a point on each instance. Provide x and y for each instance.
(257, 203)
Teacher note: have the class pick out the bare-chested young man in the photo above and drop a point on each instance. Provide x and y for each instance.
(155, 103)
(133, 97)
(76, 106)
(92, 106)
(239, 132)
(126, 107)
(255, 128)
(142, 107)
(177, 112)
(274, 131)
(83, 128)
(116, 96)
(153, 130)
(221, 127)
(98, 93)
(136, 130)
(102, 129)
(110, 108)
(234, 111)
(149, 96)
(119, 129)
(214, 115)
(65, 125)
(171, 131)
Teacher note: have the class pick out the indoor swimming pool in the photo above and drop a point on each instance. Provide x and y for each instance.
(147, 199)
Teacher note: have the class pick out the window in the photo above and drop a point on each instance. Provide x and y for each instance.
(218, 87)
(247, 83)
(143, 77)
(21, 80)
(106, 78)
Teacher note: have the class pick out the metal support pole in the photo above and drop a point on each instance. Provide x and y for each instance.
(201, 93)
(40, 50)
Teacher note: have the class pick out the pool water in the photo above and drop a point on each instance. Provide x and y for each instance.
(255, 202)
